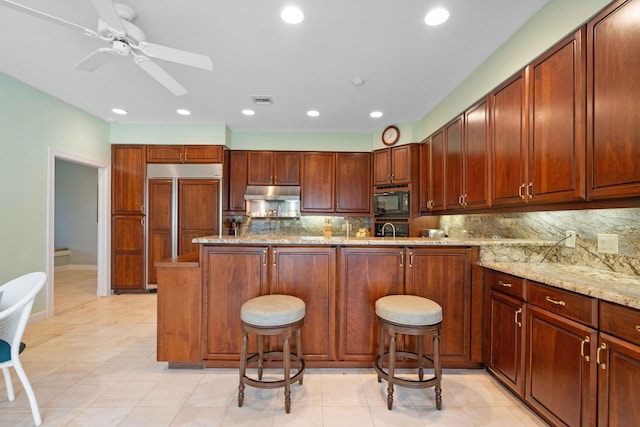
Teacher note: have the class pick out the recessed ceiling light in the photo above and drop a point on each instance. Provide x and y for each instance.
(357, 81)
(248, 112)
(313, 113)
(183, 112)
(436, 16)
(120, 111)
(376, 114)
(292, 15)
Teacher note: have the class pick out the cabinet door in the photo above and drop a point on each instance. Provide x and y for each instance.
(286, 168)
(202, 154)
(401, 164)
(436, 182)
(353, 183)
(454, 163)
(260, 168)
(476, 156)
(128, 172)
(506, 344)
(159, 237)
(309, 274)
(198, 212)
(556, 368)
(382, 167)
(127, 245)
(557, 123)
(237, 179)
(444, 276)
(618, 381)
(425, 175)
(318, 182)
(366, 275)
(508, 142)
(164, 154)
(613, 110)
(231, 276)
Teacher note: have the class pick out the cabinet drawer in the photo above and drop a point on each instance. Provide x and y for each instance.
(620, 321)
(506, 283)
(581, 308)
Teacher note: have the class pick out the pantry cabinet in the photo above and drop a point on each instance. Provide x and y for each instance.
(127, 253)
(184, 154)
(273, 168)
(128, 175)
(613, 110)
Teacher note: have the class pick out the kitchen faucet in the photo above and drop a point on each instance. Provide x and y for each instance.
(348, 226)
(393, 228)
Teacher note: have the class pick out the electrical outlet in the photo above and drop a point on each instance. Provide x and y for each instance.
(571, 239)
(608, 243)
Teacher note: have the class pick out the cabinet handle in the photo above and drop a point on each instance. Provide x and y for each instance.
(585, 340)
(637, 328)
(521, 191)
(401, 258)
(460, 200)
(410, 259)
(505, 284)
(142, 208)
(141, 221)
(560, 303)
(180, 156)
(185, 156)
(603, 365)
(518, 312)
(274, 256)
(530, 187)
(264, 257)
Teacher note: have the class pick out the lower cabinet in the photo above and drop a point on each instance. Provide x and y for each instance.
(127, 248)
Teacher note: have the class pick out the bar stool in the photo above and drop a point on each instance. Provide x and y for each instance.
(409, 315)
(272, 315)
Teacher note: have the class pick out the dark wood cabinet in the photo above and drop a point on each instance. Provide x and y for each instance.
(618, 359)
(236, 181)
(231, 275)
(475, 161)
(127, 253)
(366, 274)
(396, 165)
(159, 228)
(128, 175)
(184, 154)
(444, 276)
(436, 168)
(353, 183)
(613, 110)
(318, 182)
(198, 212)
(316, 286)
(273, 168)
(556, 143)
(454, 164)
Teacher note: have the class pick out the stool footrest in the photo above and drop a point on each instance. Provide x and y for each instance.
(276, 383)
(405, 382)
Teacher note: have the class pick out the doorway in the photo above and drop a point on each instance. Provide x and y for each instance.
(102, 249)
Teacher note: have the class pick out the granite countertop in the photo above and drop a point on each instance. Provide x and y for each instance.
(606, 285)
(363, 241)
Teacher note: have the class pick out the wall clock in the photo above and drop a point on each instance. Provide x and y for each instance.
(390, 135)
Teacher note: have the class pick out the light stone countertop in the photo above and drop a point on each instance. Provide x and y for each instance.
(606, 285)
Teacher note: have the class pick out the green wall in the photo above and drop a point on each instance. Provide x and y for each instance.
(31, 122)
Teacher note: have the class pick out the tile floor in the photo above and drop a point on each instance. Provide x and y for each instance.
(93, 364)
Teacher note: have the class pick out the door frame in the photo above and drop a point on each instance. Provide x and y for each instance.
(104, 206)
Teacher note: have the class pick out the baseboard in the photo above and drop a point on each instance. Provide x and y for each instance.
(38, 317)
(76, 267)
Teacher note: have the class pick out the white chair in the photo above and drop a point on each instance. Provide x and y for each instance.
(16, 301)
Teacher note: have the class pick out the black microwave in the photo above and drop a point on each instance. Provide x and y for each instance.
(391, 204)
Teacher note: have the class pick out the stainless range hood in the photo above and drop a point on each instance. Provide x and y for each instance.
(272, 193)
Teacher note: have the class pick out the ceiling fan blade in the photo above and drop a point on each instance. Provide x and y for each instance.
(107, 12)
(176, 55)
(155, 71)
(95, 59)
(51, 18)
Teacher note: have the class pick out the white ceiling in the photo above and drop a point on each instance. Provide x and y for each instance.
(407, 66)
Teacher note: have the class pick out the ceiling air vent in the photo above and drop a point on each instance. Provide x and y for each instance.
(262, 100)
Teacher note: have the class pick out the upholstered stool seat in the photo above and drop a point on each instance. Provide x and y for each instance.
(265, 315)
(409, 315)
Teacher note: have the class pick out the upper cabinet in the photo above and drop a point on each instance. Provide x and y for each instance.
(236, 179)
(318, 182)
(273, 168)
(475, 162)
(432, 173)
(184, 154)
(454, 156)
(128, 175)
(353, 182)
(396, 165)
(613, 109)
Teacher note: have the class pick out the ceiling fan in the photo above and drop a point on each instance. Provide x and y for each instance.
(115, 27)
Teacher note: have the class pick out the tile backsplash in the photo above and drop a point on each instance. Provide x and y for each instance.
(552, 226)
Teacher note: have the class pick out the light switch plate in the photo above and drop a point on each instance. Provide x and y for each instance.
(608, 243)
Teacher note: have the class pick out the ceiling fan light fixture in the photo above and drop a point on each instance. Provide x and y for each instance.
(376, 114)
(292, 15)
(120, 111)
(436, 16)
(183, 112)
